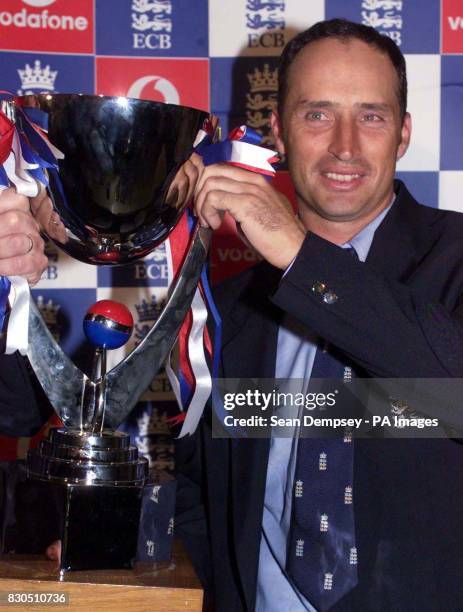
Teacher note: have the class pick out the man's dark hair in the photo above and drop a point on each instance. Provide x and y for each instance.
(343, 30)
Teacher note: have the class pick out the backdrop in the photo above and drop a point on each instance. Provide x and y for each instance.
(218, 55)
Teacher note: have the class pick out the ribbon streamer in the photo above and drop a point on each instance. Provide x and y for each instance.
(241, 149)
(200, 370)
(6, 137)
(17, 334)
(25, 156)
(4, 292)
(192, 387)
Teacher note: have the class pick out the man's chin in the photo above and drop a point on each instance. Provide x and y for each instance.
(340, 211)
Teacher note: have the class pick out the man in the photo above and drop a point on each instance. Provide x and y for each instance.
(392, 310)
(21, 254)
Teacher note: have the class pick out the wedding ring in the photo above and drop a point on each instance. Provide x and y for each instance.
(31, 245)
(54, 219)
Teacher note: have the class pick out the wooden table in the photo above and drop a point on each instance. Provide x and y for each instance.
(167, 587)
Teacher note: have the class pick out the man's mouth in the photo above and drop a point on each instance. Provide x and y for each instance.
(343, 178)
(346, 180)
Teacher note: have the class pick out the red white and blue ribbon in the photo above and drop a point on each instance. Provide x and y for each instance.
(194, 384)
(26, 155)
(241, 148)
(5, 286)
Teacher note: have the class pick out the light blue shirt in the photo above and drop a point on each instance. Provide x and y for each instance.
(295, 357)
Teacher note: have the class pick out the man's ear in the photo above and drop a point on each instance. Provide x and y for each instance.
(277, 130)
(405, 134)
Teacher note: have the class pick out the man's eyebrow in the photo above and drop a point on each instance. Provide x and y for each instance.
(315, 104)
(378, 106)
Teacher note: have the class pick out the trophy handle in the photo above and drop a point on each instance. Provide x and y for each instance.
(126, 382)
(60, 378)
(68, 388)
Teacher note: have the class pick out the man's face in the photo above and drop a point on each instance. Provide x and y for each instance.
(341, 130)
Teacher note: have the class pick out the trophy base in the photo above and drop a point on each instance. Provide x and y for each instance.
(100, 527)
(97, 526)
(94, 485)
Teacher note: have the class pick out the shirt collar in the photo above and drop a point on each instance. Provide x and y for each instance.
(361, 242)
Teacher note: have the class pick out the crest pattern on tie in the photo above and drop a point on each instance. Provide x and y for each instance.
(348, 495)
(323, 519)
(348, 435)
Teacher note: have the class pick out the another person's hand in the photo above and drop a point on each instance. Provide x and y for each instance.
(21, 246)
(264, 216)
(184, 183)
(47, 218)
(53, 551)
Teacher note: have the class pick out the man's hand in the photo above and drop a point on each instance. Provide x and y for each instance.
(21, 246)
(264, 216)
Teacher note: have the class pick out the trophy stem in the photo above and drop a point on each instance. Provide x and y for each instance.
(93, 402)
(100, 391)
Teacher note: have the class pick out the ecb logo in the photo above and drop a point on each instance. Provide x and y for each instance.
(63, 311)
(385, 16)
(147, 314)
(151, 24)
(153, 268)
(36, 79)
(151, 28)
(51, 271)
(40, 73)
(261, 100)
(266, 20)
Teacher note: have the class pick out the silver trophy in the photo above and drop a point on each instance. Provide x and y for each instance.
(118, 196)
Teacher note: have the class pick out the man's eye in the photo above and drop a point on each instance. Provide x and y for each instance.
(372, 117)
(315, 116)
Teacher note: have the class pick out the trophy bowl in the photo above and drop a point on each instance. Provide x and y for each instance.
(117, 190)
(115, 187)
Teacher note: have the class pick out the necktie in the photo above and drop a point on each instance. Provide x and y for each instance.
(322, 556)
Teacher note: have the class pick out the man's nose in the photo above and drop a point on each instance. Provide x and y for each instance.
(344, 144)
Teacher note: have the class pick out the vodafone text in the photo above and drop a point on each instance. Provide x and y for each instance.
(43, 20)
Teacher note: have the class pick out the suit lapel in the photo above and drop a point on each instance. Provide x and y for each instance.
(402, 239)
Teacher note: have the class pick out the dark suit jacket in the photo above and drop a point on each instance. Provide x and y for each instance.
(397, 315)
(23, 409)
